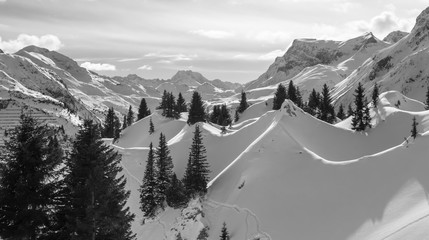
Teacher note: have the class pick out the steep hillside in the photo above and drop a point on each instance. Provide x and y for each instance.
(395, 36)
(400, 67)
(343, 57)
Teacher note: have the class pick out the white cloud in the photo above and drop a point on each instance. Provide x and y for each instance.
(271, 37)
(344, 7)
(129, 59)
(2, 1)
(48, 41)
(98, 66)
(214, 34)
(272, 55)
(145, 67)
(382, 24)
(168, 58)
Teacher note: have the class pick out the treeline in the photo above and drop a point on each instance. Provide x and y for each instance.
(161, 187)
(48, 193)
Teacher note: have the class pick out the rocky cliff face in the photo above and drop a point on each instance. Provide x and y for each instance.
(305, 53)
(395, 36)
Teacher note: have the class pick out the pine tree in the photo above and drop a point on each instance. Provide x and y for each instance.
(179, 236)
(374, 96)
(427, 98)
(130, 116)
(224, 232)
(181, 104)
(226, 117)
(203, 235)
(109, 124)
(243, 103)
(29, 181)
(414, 128)
(148, 194)
(124, 122)
(94, 196)
(164, 166)
(143, 110)
(151, 127)
(313, 102)
(196, 110)
(291, 92)
(341, 115)
(175, 194)
(236, 116)
(350, 110)
(116, 127)
(299, 101)
(163, 103)
(279, 97)
(197, 171)
(327, 112)
(361, 118)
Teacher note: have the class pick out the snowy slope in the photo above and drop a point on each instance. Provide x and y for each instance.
(401, 67)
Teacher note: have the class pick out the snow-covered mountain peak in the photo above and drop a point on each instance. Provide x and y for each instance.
(395, 36)
(422, 20)
(33, 48)
(189, 78)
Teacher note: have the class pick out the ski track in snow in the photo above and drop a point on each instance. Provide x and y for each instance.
(406, 226)
(248, 212)
(131, 175)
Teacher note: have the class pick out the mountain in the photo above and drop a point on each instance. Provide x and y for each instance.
(34, 75)
(305, 56)
(401, 67)
(395, 36)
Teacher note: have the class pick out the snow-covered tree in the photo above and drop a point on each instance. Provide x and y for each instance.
(151, 127)
(196, 110)
(341, 115)
(243, 103)
(224, 233)
(130, 116)
(164, 168)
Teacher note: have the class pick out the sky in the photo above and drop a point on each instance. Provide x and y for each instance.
(231, 40)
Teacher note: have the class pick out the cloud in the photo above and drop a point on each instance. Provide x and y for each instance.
(383, 23)
(98, 66)
(270, 56)
(344, 7)
(145, 67)
(2, 1)
(214, 34)
(48, 41)
(129, 59)
(271, 37)
(168, 58)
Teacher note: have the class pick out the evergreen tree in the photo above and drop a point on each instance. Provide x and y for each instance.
(243, 103)
(175, 194)
(29, 181)
(94, 196)
(291, 92)
(151, 127)
(163, 103)
(196, 110)
(224, 232)
(109, 124)
(116, 127)
(130, 116)
(179, 236)
(361, 118)
(236, 116)
(148, 189)
(203, 235)
(375, 95)
(427, 98)
(197, 171)
(327, 112)
(341, 115)
(313, 102)
(350, 110)
(414, 128)
(299, 101)
(226, 117)
(181, 104)
(279, 97)
(164, 166)
(143, 110)
(124, 122)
